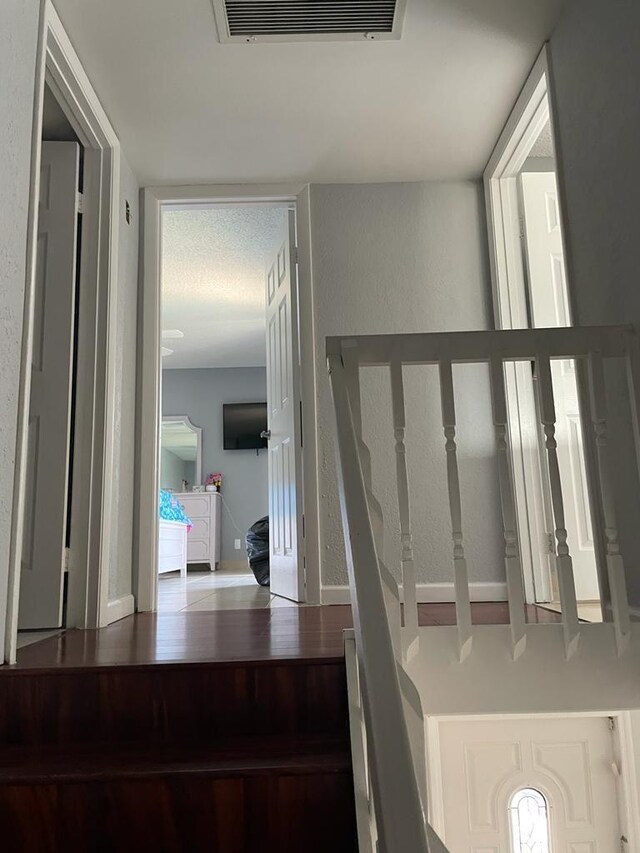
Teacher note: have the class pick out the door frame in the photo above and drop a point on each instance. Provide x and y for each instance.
(534, 107)
(625, 751)
(150, 373)
(58, 64)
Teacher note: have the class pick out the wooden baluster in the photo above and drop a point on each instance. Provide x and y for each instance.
(513, 565)
(389, 583)
(564, 563)
(615, 563)
(461, 576)
(409, 597)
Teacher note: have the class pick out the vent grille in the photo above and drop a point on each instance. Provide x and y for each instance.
(308, 20)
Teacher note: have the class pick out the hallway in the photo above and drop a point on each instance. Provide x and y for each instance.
(223, 589)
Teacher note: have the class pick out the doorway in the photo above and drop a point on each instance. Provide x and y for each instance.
(47, 528)
(76, 584)
(230, 289)
(532, 290)
(227, 347)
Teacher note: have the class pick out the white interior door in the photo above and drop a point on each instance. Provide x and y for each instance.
(283, 404)
(42, 576)
(550, 308)
(570, 762)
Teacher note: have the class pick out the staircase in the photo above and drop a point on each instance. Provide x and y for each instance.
(399, 672)
(225, 756)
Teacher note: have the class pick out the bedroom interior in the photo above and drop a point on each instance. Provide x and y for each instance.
(213, 460)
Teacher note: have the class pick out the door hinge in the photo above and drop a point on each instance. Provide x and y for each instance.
(66, 559)
(623, 843)
(304, 529)
(612, 724)
(295, 255)
(522, 227)
(79, 203)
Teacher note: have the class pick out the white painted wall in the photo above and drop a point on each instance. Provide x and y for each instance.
(200, 394)
(408, 258)
(121, 536)
(595, 60)
(18, 45)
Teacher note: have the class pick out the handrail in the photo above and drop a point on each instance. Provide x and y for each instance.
(470, 347)
(385, 614)
(400, 818)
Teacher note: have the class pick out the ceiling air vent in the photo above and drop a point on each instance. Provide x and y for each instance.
(308, 20)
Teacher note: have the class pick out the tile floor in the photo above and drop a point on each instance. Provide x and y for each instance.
(220, 590)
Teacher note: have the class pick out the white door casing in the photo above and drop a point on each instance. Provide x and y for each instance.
(42, 574)
(283, 414)
(550, 308)
(570, 761)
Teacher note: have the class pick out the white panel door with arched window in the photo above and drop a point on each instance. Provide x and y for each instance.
(529, 785)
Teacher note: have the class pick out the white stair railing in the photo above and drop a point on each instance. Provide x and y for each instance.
(399, 815)
(512, 563)
(460, 574)
(385, 614)
(564, 563)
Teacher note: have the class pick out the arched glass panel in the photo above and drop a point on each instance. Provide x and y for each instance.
(529, 820)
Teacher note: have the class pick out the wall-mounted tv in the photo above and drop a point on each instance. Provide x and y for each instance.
(242, 424)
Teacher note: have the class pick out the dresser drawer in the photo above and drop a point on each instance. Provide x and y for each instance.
(198, 549)
(196, 506)
(201, 528)
(203, 541)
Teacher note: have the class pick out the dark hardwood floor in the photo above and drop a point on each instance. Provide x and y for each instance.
(223, 731)
(259, 635)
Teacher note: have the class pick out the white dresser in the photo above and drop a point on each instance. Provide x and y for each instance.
(203, 542)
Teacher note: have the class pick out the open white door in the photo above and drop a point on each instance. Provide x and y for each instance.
(42, 575)
(283, 406)
(550, 308)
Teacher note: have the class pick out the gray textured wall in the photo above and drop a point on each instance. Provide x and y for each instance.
(595, 55)
(18, 44)
(121, 535)
(408, 258)
(200, 394)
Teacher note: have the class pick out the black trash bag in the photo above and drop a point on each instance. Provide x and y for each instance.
(258, 550)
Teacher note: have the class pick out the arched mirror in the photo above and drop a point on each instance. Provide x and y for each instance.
(180, 454)
(529, 822)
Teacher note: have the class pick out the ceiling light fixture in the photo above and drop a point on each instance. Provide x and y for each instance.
(165, 352)
(172, 334)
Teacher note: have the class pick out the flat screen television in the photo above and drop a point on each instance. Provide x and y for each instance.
(242, 424)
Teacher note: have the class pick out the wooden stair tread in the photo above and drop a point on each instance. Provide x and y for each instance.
(231, 758)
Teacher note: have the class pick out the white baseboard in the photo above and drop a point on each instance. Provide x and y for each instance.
(335, 595)
(429, 592)
(120, 607)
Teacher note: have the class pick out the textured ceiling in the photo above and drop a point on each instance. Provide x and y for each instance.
(543, 146)
(213, 283)
(190, 110)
